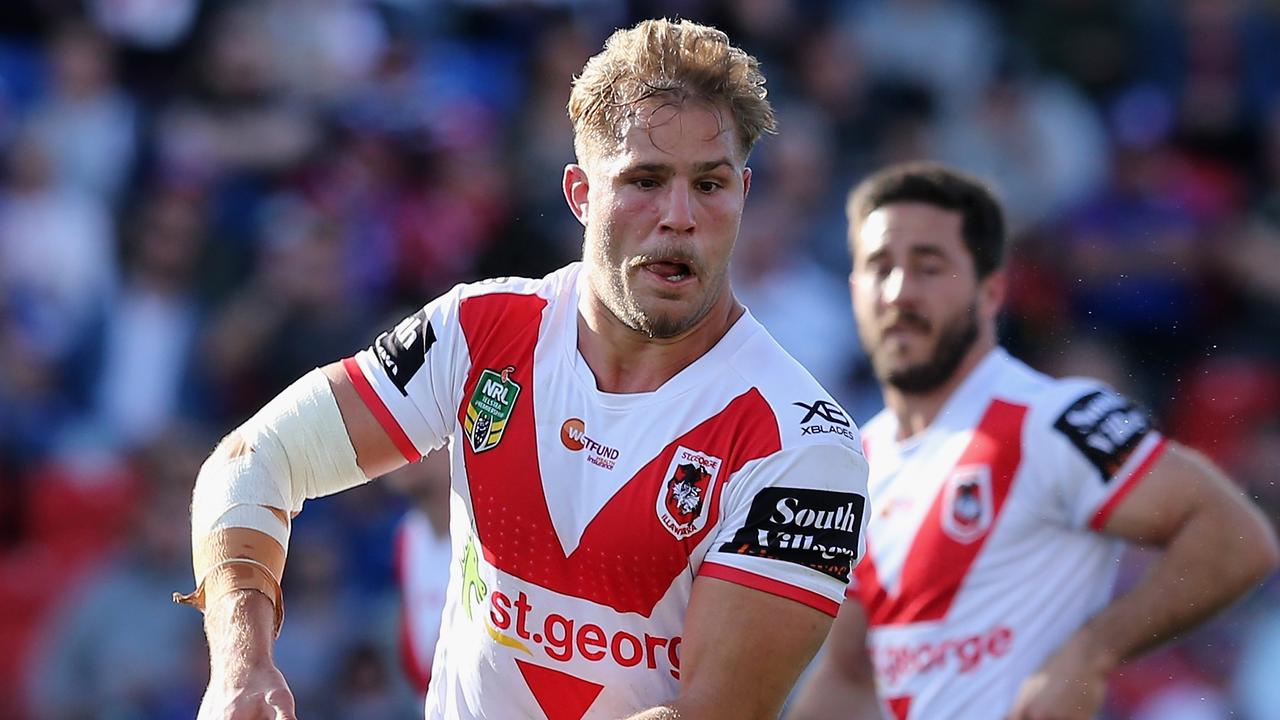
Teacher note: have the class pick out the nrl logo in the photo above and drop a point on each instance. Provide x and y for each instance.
(683, 496)
(490, 408)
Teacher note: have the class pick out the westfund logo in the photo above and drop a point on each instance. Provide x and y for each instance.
(814, 528)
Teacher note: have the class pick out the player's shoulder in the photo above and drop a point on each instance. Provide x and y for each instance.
(1075, 400)
(1043, 395)
(548, 288)
(805, 412)
(1086, 413)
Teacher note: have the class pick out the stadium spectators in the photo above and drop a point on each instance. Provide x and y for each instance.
(254, 132)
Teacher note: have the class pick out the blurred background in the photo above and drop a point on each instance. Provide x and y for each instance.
(200, 200)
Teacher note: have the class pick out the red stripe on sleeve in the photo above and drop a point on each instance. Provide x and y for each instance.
(1100, 518)
(769, 585)
(380, 411)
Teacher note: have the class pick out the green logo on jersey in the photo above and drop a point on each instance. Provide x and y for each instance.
(490, 407)
(475, 591)
(473, 588)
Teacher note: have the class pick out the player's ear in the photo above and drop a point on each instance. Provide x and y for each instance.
(746, 182)
(991, 292)
(576, 188)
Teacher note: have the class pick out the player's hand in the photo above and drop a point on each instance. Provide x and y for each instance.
(257, 693)
(1070, 685)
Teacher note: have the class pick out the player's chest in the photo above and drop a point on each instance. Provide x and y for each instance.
(941, 499)
(575, 490)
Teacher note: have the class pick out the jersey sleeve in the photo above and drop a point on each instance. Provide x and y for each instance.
(411, 377)
(794, 525)
(1098, 446)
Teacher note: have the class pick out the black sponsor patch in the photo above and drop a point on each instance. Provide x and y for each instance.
(1106, 427)
(815, 528)
(403, 349)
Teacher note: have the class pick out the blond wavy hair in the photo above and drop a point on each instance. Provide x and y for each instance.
(670, 61)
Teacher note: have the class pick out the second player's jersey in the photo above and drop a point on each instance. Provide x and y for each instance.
(983, 553)
(580, 518)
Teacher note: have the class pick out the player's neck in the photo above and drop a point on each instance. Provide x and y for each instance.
(626, 361)
(917, 411)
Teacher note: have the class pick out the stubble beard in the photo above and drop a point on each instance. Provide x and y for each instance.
(954, 342)
(609, 283)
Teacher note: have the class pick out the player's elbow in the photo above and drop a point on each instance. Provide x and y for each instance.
(1254, 548)
(232, 446)
(1265, 549)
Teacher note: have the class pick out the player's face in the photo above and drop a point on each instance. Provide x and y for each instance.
(916, 295)
(661, 213)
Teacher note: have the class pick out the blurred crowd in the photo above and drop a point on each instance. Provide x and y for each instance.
(200, 200)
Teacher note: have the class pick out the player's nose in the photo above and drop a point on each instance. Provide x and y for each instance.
(677, 211)
(894, 286)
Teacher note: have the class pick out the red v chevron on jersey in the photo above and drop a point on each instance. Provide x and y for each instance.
(940, 557)
(560, 695)
(585, 519)
(627, 557)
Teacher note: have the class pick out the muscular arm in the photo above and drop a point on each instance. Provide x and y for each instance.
(1217, 546)
(375, 453)
(237, 596)
(842, 682)
(742, 652)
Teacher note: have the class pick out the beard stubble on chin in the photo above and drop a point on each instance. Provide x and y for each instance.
(954, 341)
(610, 286)
(654, 324)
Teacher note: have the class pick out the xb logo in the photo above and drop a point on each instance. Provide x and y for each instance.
(827, 411)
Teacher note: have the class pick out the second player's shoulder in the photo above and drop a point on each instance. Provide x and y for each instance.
(1079, 404)
(1088, 419)
(1046, 397)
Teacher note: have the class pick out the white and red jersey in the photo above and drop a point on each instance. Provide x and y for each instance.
(580, 518)
(983, 553)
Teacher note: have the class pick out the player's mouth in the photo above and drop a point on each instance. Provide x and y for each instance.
(670, 272)
(905, 324)
(903, 330)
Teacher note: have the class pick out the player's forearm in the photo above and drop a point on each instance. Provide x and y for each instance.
(240, 628)
(1216, 556)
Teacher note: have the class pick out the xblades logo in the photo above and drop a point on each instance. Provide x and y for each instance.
(828, 412)
(824, 410)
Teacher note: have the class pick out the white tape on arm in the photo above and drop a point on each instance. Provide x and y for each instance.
(295, 448)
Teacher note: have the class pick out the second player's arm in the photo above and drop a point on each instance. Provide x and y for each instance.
(842, 682)
(1216, 546)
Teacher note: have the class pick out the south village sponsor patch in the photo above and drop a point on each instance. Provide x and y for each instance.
(815, 528)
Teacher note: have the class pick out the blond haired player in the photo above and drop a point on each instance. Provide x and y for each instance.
(643, 482)
(1002, 494)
